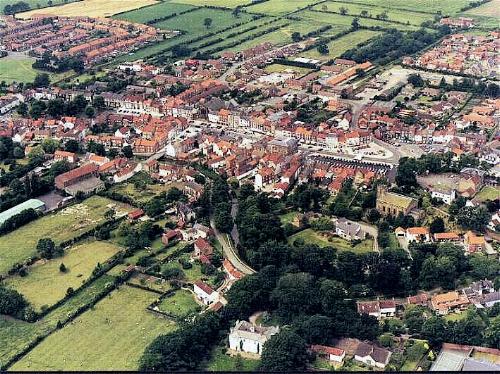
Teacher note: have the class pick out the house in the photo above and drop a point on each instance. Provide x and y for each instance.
(448, 302)
(418, 234)
(333, 355)
(168, 236)
(446, 237)
(474, 243)
(371, 355)
(135, 214)
(349, 230)
(445, 194)
(420, 299)
(377, 308)
(202, 248)
(205, 293)
(248, 338)
(393, 203)
(65, 156)
(202, 231)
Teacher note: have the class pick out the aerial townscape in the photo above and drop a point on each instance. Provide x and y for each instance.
(249, 185)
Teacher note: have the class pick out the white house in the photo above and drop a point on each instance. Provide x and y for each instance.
(372, 355)
(447, 195)
(418, 234)
(248, 338)
(205, 293)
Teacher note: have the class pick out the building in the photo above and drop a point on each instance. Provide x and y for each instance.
(65, 156)
(205, 293)
(418, 234)
(449, 302)
(248, 338)
(349, 230)
(474, 243)
(393, 203)
(82, 179)
(371, 355)
(377, 308)
(202, 248)
(456, 357)
(333, 355)
(446, 194)
(34, 204)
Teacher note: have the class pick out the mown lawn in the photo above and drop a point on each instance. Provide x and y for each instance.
(15, 335)
(220, 361)
(45, 284)
(488, 193)
(63, 225)
(112, 336)
(180, 304)
(312, 237)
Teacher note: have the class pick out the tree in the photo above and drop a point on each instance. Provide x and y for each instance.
(50, 145)
(284, 352)
(437, 225)
(207, 22)
(63, 268)
(355, 23)
(11, 301)
(41, 80)
(236, 12)
(483, 267)
(323, 49)
(294, 294)
(491, 334)
(296, 37)
(406, 173)
(343, 10)
(22, 109)
(72, 146)
(98, 102)
(127, 151)
(416, 80)
(316, 329)
(46, 248)
(434, 329)
(90, 111)
(473, 218)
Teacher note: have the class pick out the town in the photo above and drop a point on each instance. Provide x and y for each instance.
(259, 205)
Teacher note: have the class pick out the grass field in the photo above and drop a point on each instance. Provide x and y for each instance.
(488, 193)
(45, 284)
(152, 12)
(217, 3)
(393, 14)
(220, 361)
(141, 196)
(340, 45)
(15, 334)
(491, 9)
(112, 336)
(288, 217)
(279, 6)
(180, 304)
(34, 4)
(91, 8)
(18, 69)
(70, 222)
(423, 6)
(312, 237)
(277, 68)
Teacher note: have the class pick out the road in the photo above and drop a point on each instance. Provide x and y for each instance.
(228, 248)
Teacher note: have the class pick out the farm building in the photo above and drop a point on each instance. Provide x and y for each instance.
(35, 204)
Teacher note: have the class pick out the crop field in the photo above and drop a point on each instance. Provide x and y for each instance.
(111, 336)
(424, 6)
(152, 12)
(340, 45)
(34, 4)
(91, 8)
(45, 284)
(68, 223)
(180, 304)
(392, 14)
(15, 335)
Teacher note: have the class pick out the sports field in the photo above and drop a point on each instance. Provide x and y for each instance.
(68, 223)
(91, 8)
(45, 284)
(111, 336)
(15, 335)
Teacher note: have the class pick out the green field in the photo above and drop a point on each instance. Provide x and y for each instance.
(342, 44)
(488, 193)
(152, 12)
(312, 237)
(217, 3)
(19, 69)
(142, 195)
(68, 223)
(111, 336)
(45, 284)
(392, 14)
(277, 68)
(423, 6)
(180, 304)
(34, 4)
(279, 6)
(220, 361)
(15, 335)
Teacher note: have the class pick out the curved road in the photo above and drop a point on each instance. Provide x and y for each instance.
(227, 244)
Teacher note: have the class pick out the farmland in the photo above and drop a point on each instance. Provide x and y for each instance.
(280, 6)
(449, 7)
(45, 284)
(91, 8)
(66, 224)
(217, 3)
(34, 4)
(111, 336)
(163, 9)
